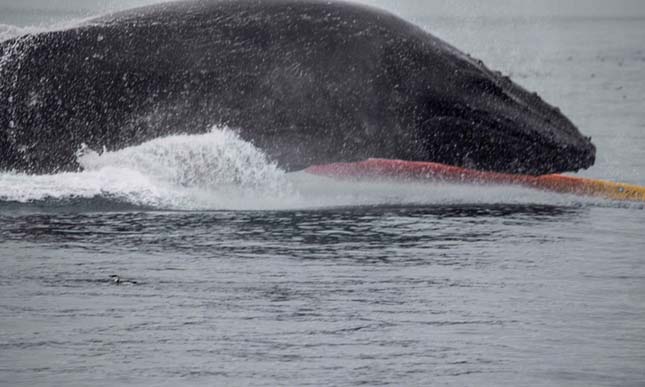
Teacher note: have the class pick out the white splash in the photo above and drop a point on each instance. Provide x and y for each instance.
(220, 171)
(214, 161)
(209, 171)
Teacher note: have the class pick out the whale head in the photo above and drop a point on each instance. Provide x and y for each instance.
(476, 118)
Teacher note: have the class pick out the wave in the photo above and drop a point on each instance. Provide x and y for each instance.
(219, 171)
(212, 170)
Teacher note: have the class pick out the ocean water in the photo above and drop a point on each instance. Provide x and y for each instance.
(234, 272)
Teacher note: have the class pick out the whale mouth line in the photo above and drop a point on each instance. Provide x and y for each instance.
(480, 142)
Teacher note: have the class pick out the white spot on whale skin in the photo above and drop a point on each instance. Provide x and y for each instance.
(34, 99)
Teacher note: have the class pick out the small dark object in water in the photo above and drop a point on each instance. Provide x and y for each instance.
(116, 279)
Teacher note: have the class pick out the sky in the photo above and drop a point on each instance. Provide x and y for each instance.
(406, 8)
(522, 8)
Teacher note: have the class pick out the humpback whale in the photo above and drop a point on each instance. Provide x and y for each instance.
(308, 82)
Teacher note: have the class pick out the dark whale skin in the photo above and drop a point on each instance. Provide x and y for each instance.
(308, 82)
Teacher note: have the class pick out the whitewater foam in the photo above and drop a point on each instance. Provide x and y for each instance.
(213, 170)
(219, 171)
(216, 160)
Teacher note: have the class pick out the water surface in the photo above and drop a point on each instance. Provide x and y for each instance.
(267, 278)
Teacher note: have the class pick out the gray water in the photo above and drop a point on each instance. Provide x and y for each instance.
(316, 282)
